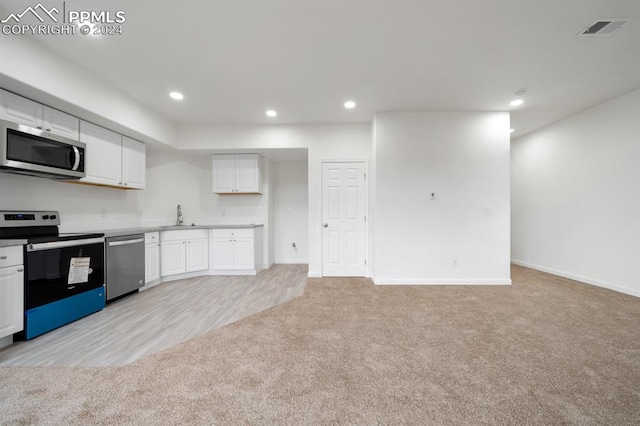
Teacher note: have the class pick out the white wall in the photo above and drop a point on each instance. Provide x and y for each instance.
(323, 141)
(464, 158)
(29, 69)
(576, 196)
(291, 211)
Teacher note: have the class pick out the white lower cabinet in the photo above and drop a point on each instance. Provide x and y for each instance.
(152, 256)
(173, 258)
(236, 250)
(11, 291)
(197, 254)
(184, 251)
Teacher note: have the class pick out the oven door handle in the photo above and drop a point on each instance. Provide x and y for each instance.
(125, 243)
(62, 244)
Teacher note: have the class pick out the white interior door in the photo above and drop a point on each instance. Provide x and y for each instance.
(343, 220)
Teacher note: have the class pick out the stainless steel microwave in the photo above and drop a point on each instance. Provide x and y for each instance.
(35, 152)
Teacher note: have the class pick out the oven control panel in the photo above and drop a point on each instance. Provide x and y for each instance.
(9, 219)
(19, 216)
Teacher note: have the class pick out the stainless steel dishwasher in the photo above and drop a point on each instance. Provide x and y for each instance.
(125, 265)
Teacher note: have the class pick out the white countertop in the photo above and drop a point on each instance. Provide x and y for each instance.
(131, 231)
(12, 242)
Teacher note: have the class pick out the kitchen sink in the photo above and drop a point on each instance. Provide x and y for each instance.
(171, 227)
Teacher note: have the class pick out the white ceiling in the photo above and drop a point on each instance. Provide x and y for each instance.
(234, 59)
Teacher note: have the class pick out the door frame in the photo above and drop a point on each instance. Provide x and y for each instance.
(367, 269)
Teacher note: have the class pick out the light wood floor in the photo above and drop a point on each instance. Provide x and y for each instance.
(158, 318)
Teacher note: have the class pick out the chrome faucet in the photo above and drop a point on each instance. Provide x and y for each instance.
(179, 220)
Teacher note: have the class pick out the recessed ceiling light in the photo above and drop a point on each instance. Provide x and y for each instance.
(271, 113)
(177, 96)
(518, 100)
(512, 130)
(349, 105)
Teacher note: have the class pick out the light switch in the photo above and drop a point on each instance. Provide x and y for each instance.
(488, 211)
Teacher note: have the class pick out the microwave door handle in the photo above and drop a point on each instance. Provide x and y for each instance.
(77, 161)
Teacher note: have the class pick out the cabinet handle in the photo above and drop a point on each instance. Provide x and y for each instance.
(20, 270)
(125, 184)
(3, 257)
(48, 130)
(39, 127)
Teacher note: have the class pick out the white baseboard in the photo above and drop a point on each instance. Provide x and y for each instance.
(168, 278)
(429, 281)
(151, 284)
(6, 341)
(580, 278)
(314, 275)
(232, 272)
(290, 262)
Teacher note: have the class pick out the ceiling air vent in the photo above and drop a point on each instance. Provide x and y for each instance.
(603, 27)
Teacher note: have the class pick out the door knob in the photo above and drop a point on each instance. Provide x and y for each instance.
(326, 225)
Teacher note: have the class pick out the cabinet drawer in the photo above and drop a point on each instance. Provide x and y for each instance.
(231, 233)
(152, 237)
(10, 256)
(184, 235)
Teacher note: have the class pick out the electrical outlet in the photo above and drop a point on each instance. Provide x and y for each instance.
(454, 263)
(488, 211)
(433, 195)
(293, 245)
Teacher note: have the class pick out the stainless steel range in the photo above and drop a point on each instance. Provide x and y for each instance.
(64, 278)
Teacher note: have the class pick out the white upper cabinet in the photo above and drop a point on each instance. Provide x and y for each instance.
(25, 111)
(21, 110)
(134, 163)
(224, 174)
(237, 174)
(112, 159)
(60, 123)
(248, 173)
(103, 158)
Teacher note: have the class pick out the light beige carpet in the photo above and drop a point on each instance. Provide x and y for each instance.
(544, 351)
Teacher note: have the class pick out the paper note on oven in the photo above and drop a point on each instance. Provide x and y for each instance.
(79, 270)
